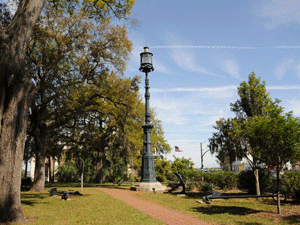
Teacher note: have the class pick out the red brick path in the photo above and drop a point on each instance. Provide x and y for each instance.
(168, 216)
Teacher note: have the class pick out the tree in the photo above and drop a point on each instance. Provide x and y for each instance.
(108, 129)
(275, 138)
(66, 53)
(182, 165)
(160, 145)
(163, 169)
(16, 90)
(224, 143)
(230, 141)
(254, 101)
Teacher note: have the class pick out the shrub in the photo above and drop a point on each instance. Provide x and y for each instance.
(210, 178)
(192, 185)
(226, 180)
(291, 182)
(206, 188)
(182, 166)
(246, 181)
(194, 175)
(67, 172)
(163, 170)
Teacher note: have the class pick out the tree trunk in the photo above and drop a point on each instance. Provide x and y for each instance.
(256, 175)
(278, 191)
(15, 93)
(26, 167)
(50, 168)
(40, 156)
(14, 116)
(53, 169)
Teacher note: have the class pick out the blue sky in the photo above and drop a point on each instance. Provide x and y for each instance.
(203, 50)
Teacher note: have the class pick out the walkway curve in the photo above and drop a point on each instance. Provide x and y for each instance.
(168, 216)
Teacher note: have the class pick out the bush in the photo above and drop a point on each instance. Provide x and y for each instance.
(67, 172)
(227, 180)
(194, 175)
(224, 180)
(291, 182)
(206, 188)
(163, 170)
(192, 185)
(246, 181)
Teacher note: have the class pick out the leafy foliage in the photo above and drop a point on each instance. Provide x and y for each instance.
(224, 143)
(67, 172)
(163, 170)
(5, 15)
(275, 138)
(182, 166)
(82, 107)
(246, 181)
(291, 181)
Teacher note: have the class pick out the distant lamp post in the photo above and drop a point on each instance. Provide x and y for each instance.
(148, 181)
(202, 155)
(148, 171)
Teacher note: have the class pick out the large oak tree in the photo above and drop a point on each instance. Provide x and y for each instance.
(16, 90)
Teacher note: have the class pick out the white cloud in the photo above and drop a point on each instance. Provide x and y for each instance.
(212, 93)
(280, 12)
(287, 47)
(202, 89)
(231, 67)
(283, 68)
(294, 105)
(191, 108)
(297, 69)
(203, 47)
(159, 67)
(186, 60)
(184, 57)
(284, 88)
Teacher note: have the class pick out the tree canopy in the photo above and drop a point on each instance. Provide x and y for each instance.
(16, 87)
(232, 140)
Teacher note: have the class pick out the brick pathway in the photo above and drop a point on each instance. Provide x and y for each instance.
(168, 216)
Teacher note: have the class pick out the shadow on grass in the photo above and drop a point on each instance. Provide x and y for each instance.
(232, 210)
(125, 185)
(197, 195)
(292, 219)
(243, 223)
(32, 199)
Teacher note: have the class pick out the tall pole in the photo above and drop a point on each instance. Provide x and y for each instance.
(201, 157)
(148, 171)
(148, 181)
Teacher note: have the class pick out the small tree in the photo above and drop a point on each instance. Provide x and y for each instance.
(182, 165)
(276, 138)
(224, 143)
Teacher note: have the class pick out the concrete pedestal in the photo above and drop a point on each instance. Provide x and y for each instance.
(145, 186)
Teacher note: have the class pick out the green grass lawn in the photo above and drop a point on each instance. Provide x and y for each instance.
(229, 211)
(95, 207)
